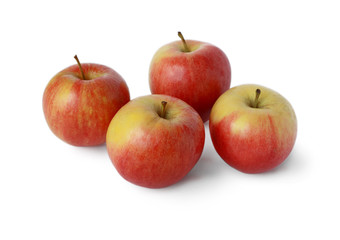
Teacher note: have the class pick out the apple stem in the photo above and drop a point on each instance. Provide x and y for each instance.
(256, 102)
(164, 103)
(186, 48)
(81, 69)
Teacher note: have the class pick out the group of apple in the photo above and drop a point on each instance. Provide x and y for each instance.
(155, 140)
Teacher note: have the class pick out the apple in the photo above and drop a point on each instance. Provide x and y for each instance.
(80, 101)
(253, 128)
(154, 141)
(196, 72)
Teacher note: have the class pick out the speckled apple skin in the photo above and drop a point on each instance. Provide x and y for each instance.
(253, 140)
(198, 77)
(79, 111)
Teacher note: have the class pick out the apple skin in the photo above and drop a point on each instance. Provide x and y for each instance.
(79, 111)
(252, 140)
(198, 77)
(152, 151)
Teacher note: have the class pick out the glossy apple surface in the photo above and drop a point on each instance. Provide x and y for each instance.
(253, 130)
(79, 111)
(155, 146)
(198, 76)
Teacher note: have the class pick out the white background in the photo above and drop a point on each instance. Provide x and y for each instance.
(51, 190)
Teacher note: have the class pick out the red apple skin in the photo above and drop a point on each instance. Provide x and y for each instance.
(198, 77)
(151, 151)
(253, 140)
(79, 111)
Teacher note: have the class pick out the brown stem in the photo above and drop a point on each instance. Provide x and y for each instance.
(81, 69)
(256, 102)
(163, 112)
(186, 48)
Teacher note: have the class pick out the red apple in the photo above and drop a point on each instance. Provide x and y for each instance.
(80, 101)
(196, 72)
(154, 141)
(253, 128)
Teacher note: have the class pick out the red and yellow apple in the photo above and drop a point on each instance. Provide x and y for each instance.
(80, 101)
(196, 72)
(154, 141)
(253, 128)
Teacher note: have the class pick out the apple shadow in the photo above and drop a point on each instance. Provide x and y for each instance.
(97, 152)
(293, 164)
(209, 167)
(98, 149)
